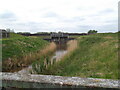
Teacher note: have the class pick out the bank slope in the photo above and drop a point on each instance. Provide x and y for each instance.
(17, 48)
(96, 57)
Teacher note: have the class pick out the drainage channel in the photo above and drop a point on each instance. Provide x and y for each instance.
(61, 50)
(23, 78)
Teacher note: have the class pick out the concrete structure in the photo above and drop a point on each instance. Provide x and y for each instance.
(49, 81)
(59, 37)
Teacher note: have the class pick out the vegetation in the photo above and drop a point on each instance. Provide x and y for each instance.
(42, 65)
(23, 33)
(18, 50)
(96, 57)
(92, 31)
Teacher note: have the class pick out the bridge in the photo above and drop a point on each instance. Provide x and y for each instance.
(59, 37)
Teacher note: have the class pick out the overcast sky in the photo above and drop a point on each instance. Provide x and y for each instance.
(59, 15)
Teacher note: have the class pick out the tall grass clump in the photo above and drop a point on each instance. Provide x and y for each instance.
(42, 63)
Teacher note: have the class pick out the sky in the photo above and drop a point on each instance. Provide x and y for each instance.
(77, 16)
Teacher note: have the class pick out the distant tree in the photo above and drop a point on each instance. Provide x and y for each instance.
(26, 32)
(23, 33)
(19, 32)
(42, 33)
(59, 32)
(92, 32)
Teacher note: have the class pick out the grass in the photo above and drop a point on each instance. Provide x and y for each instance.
(44, 61)
(18, 49)
(18, 45)
(96, 57)
(42, 65)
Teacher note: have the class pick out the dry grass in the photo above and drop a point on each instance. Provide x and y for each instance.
(51, 47)
(72, 45)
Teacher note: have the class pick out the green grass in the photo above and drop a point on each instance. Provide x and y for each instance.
(96, 57)
(18, 46)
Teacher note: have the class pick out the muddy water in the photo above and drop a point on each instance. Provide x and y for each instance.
(61, 50)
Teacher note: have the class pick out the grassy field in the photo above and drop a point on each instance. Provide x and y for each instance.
(17, 49)
(95, 57)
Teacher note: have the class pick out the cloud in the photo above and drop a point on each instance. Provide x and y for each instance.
(108, 11)
(84, 26)
(54, 15)
(108, 28)
(50, 15)
(32, 26)
(73, 19)
(7, 15)
(113, 21)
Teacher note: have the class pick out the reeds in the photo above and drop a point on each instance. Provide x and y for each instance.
(44, 61)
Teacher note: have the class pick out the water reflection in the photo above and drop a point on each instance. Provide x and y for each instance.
(61, 50)
(61, 46)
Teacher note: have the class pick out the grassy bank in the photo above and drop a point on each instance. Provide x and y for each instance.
(19, 51)
(96, 57)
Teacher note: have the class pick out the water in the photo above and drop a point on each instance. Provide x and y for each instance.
(61, 50)
(25, 70)
(59, 54)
